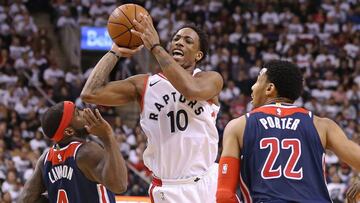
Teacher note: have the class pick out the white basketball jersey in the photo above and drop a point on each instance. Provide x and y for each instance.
(182, 136)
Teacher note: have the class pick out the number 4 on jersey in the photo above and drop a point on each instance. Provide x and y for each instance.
(62, 197)
(268, 172)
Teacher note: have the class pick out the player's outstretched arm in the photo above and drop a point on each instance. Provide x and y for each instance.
(229, 165)
(116, 93)
(203, 86)
(103, 165)
(34, 187)
(336, 140)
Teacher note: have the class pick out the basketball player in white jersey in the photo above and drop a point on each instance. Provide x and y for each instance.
(178, 112)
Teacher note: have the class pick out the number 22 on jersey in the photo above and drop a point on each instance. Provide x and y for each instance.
(268, 171)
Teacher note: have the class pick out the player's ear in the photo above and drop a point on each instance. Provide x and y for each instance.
(271, 90)
(69, 132)
(199, 56)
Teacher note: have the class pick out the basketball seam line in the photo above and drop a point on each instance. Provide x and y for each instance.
(126, 16)
(130, 38)
(128, 30)
(127, 27)
(133, 26)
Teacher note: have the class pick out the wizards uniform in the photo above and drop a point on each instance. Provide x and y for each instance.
(282, 156)
(66, 183)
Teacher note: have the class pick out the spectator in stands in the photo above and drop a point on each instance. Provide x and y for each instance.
(53, 74)
(322, 38)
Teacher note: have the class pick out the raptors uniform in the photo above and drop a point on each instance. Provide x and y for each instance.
(282, 156)
(66, 183)
(182, 143)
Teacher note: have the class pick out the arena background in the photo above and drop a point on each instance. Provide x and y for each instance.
(48, 48)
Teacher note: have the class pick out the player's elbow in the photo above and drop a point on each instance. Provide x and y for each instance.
(122, 187)
(88, 98)
(119, 188)
(190, 93)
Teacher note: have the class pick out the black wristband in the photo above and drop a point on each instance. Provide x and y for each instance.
(154, 46)
(113, 52)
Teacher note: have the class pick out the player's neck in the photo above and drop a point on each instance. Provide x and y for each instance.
(67, 140)
(278, 100)
(189, 69)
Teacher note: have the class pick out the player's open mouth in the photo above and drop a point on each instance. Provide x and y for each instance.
(177, 53)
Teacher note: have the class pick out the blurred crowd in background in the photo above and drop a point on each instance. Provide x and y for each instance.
(321, 37)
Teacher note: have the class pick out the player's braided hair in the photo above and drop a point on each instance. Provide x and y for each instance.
(203, 37)
(286, 77)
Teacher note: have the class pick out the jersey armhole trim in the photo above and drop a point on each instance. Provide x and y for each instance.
(162, 75)
(143, 93)
(76, 149)
(46, 156)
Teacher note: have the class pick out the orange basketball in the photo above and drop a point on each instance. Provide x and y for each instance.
(121, 22)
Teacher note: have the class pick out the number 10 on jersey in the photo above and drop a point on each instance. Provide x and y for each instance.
(179, 118)
(268, 171)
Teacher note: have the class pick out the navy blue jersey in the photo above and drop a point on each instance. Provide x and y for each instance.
(66, 183)
(282, 157)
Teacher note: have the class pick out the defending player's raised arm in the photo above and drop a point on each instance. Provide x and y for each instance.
(229, 165)
(336, 140)
(34, 187)
(114, 93)
(103, 165)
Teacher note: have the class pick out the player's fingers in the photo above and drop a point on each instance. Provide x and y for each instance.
(91, 116)
(128, 51)
(87, 128)
(88, 120)
(147, 21)
(351, 194)
(138, 25)
(137, 33)
(98, 115)
(350, 200)
(138, 48)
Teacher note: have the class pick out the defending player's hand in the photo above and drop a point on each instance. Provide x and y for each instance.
(125, 52)
(96, 124)
(146, 31)
(353, 193)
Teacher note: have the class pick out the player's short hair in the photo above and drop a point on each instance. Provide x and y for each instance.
(203, 37)
(287, 78)
(51, 119)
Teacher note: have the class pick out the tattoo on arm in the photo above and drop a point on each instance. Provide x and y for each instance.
(164, 59)
(100, 73)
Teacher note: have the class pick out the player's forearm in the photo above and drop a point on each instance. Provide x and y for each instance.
(351, 157)
(29, 195)
(177, 75)
(114, 171)
(98, 75)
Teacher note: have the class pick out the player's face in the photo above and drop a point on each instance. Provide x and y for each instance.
(78, 123)
(185, 47)
(259, 89)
